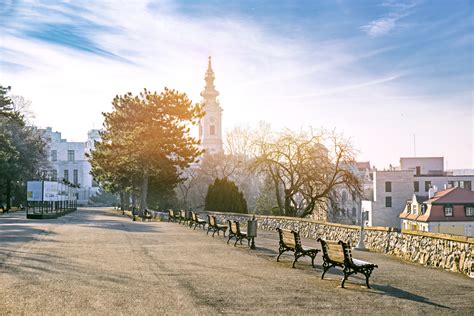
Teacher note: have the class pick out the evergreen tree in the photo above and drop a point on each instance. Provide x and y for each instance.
(224, 196)
(22, 151)
(146, 141)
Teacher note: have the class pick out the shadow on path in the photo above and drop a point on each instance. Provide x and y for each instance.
(399, 293)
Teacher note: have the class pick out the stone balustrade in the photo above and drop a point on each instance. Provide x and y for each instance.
(449, 252)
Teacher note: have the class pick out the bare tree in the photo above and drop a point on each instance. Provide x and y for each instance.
(23, 106)
(306, 168)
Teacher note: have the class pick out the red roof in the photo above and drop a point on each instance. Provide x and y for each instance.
(452, 196)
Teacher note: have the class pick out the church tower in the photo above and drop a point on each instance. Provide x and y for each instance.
(210, 127)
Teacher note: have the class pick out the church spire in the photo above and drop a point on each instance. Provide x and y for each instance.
(210, 129)
(209, 94)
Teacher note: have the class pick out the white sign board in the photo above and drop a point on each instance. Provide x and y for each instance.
(50, 191)
(34, 190)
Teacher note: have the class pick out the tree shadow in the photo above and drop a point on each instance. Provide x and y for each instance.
(22, 233)
(401, 294)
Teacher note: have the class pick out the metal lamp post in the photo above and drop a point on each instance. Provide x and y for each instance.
(252, 231)
(360, 244)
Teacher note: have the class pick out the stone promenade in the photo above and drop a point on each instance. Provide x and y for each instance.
(96, 261)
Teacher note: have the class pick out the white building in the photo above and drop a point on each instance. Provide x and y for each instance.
(393, 188)
(448, 211)
(210, 127)
(68, 162)
(348, 208)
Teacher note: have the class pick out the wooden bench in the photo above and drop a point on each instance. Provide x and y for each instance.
(183, 218)
(338, 254)
(196, 221)
(234, 232)
(290, 241)
(173, 216)
(147, 215)
(214, 226)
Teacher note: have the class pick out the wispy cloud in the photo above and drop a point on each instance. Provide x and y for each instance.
(387, 23)
(71, 62)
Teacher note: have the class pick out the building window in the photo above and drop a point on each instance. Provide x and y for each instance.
(54, 155)
(448, 211)
(54, 175)
(427, 186)
(388, 186)
(344, 197)
(468, 185)
(416, 186)
(213, 130)
(70, 155)
(388, 201)
(75, 176)
(66, 175)
(469, 210)
(418, 170)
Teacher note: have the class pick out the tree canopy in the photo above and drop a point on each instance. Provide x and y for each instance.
(307, 169)
(22, 151)
(146, 140)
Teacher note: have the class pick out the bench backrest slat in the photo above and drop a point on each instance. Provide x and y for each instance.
(287, 237)
(332, 250)
(347, 252)
(212, 220)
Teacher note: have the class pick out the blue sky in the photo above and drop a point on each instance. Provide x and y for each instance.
(378, 71)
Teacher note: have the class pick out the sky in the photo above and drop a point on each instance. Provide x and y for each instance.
(396, 77)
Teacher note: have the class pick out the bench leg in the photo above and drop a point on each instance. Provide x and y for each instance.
(347, 272)
(367, 276)
(296, 259)
(326, 267)
(280, 251)
(344, 278)
(312, 259)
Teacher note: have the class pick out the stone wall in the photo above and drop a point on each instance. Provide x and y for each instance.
(453, 253)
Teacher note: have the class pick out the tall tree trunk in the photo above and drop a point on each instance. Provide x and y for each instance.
(144, 191)
(122, 202)
(9, 194)
(126, 200)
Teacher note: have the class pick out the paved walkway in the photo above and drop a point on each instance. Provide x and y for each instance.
(96, 261)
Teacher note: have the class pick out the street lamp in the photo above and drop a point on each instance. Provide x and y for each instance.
(360, 244)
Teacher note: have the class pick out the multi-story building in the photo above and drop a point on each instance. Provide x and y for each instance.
(68, 162)
(392, 188)
(450, 211)
(348, 208)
